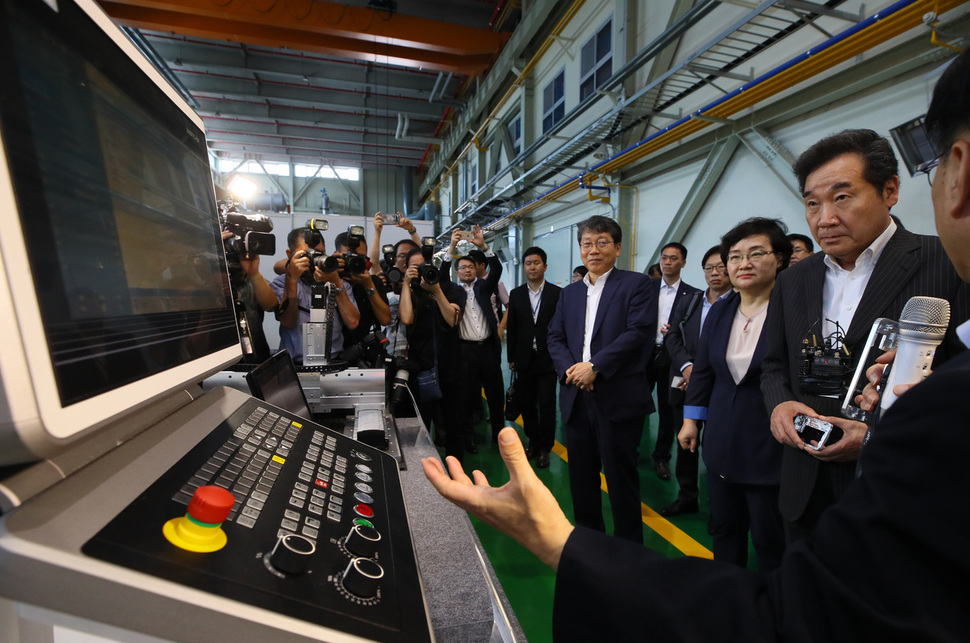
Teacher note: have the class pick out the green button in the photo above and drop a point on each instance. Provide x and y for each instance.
(366, 523)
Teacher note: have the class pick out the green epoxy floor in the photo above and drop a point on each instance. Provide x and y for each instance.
(528, 583)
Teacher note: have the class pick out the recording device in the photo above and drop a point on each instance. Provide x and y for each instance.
(882, 339)
(466, 235)
(354, 264)
(826, 363)
(392, 218)
(321, 260)
(402, 368)
(312, 231)
(393, 273)
(368, 352)
(922, 325)
(813, 430)
(427, 272)
(251, 235)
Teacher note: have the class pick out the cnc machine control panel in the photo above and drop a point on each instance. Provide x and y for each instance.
(317, 528)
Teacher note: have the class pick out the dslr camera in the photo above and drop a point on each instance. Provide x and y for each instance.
(393, 273)
(427, 272)
(354, 264)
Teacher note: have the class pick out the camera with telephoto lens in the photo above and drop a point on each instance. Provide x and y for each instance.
(368, 352)
(427, 272)
(393, 273)
(251, 235)
(402, 369)
(321, 260)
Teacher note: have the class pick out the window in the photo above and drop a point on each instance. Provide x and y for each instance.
(472, 178)
(554, 102)
(596, 61)
(515, 133)
(283, 169)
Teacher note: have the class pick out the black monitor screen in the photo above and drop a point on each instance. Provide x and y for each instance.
(115, 196)
(276, 381)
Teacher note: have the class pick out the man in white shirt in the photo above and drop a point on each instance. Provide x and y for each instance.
(670, 290)
(599, 339)
(868, 268)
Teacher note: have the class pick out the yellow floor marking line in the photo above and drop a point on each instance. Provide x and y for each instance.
(664, 528)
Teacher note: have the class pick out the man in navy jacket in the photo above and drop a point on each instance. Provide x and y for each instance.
(599, 340)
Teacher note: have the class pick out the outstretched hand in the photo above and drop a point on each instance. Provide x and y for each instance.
(523, 508)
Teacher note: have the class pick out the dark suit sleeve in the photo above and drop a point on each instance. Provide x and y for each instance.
(494, 274)
(562, 359)
(512, 326)
(702, 377)
(775, 374)
(674, 340)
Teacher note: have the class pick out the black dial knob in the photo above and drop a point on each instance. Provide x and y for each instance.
(363, 541)
(362, 577)
(292, 554)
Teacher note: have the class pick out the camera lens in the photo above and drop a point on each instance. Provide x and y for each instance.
(355, 264)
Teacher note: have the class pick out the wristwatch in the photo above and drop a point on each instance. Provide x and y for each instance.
(595, 370)
(371, 291)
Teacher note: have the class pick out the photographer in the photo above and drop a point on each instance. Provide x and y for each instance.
(430, 311)
(245, 238)
(391, 270)
(368, 295)
(293, 290)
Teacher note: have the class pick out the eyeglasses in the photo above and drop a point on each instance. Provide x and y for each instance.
(712, 269)
(929, 169)
(755, 257)
(602, 244)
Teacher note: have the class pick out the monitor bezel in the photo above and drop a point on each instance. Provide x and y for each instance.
(33, 404)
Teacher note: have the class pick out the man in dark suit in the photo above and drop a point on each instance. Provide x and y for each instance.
(686, 323)
(530, 310)
(880, 566)
(670, 289)
(481, 350)
(599, 339)
(868, 268)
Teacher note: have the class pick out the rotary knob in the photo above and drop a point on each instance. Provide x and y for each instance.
(362, 541)
(362, 577)
(292, 554)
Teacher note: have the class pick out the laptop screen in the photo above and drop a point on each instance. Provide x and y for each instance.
(276, 382)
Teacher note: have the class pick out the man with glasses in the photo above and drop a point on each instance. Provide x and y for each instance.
(599, 339)
(686, 323)
(802, 248)
(868, 268)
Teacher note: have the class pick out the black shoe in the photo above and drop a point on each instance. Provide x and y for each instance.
(542, 460)
(679, 508)
(470, 445)
(531, 452)
(662, 469)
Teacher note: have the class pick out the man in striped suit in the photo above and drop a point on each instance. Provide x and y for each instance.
(869, 267)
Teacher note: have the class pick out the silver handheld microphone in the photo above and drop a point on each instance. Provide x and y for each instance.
(922, 326)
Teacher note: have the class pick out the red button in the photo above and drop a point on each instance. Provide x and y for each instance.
(364, 510)
(211, 504)
(322, 483)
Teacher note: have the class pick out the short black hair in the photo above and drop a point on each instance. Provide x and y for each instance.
(805, 239)
(654, 268)
(713, 250)
(467, 257)
(599, 224)
(535, 250)
(581, 269)
(478, 257)
(678, 246)
(342, 241)
(292, 238)
(949, 112)
(775, 229)
(880, 164)
(411, 253)
(404, 242)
